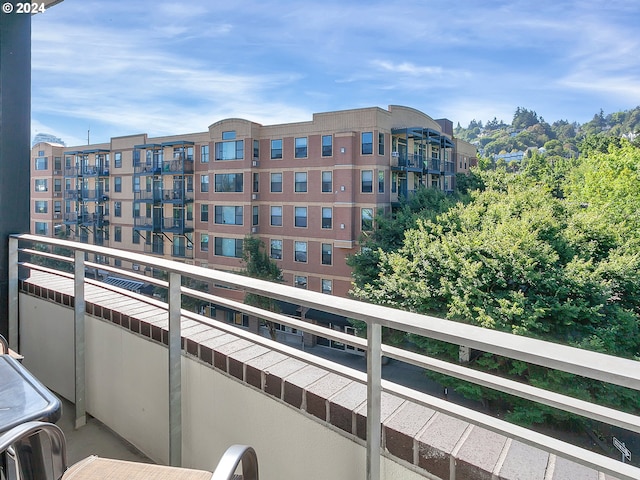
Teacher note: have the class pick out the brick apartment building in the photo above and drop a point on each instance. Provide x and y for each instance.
(308, 189)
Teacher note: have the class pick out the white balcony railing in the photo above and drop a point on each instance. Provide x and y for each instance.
(589, 364)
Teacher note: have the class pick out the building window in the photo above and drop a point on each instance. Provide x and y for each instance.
(327, 217)
(380, 143)
(276, 182)
(300, 281)
(57, 163)
(117, 160)
(276, 249)
(117, 209)
(136, 210)
(204, 242)
(135, 237)
(326, 254)
(229, 135)
(276, 149)
(300, 254)
(41, 185)
(204, 153)
(41, 228)
(380, 181)
(57, 184)
(42, 206)
(327, 145)
(136, 184)
(367, 219)
(367, 143)
(367, 181)
(300, 216)
(255, 217)
(256, 149)
(300, 182)
(327, 286)
(228, 182)
(276, 216)
(228, 247)
(117, 184)
(327, 182)
(117, 234)
(57, 207)
(41, 163)
(204, 213)
(394, 182)
(230, 150)
(228, 215)
(204, 183)
(301, 147)
(256, 182)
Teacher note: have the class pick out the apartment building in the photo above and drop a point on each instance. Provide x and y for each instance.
(309, 190)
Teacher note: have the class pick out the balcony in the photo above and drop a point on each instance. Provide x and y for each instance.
(407, 162)
(433, 166)
(172, 196)
(181, 387)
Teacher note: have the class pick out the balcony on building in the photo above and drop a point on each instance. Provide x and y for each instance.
(181, 381)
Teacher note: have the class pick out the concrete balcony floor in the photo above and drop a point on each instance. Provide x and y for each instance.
(94, 439)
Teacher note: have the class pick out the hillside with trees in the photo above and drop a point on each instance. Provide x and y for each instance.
(529, 132)
(551, 251)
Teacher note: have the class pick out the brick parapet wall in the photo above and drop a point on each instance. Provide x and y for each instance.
(432, 442)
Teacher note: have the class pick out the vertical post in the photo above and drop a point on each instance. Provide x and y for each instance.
(79, 313)
(15, 132)
(13, 294)
(374, 395)
(175, 371)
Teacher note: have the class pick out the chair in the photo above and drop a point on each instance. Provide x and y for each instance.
(37, 451)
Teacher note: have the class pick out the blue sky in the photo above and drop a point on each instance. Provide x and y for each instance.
(123, 67)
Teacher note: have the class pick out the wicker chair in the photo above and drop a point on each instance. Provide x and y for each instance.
(37, 451)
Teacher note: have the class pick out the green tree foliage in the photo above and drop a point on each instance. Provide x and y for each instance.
(258, 264)
(552, 253)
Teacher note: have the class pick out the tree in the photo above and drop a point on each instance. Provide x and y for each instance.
(521, 259)
(524, 118)
(257, 264)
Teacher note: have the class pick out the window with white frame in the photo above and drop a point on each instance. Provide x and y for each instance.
(276, 216)
(367, 219)
(228, 247)
(327, 182)
(300, 182)
(301, 147)
(275, 251)
(327, 217)
(276, 149)
(300, 252)
(228, 215)
(327, 145)
(327, 254)
(367, 181)
(41, 185)
(300, 217)
(276, 182)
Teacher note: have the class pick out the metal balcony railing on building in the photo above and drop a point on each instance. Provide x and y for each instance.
(449, 168)
(608, 369)
(433, 166)
(148, 224)
(407, 161)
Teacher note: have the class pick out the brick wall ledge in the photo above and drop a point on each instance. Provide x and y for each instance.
(429, 441)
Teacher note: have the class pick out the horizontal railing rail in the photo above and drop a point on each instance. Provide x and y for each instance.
(606, 368)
